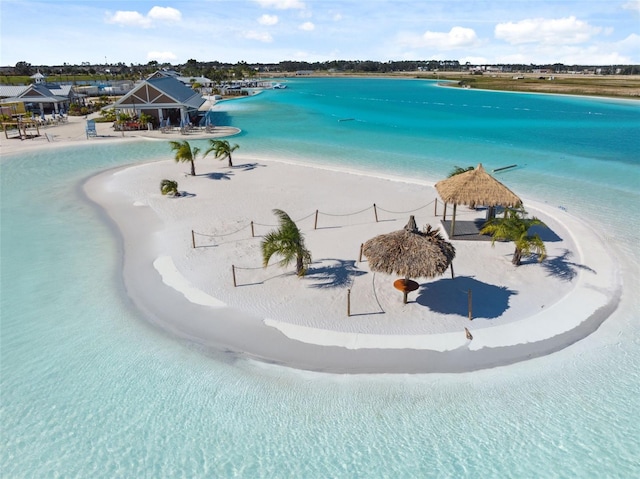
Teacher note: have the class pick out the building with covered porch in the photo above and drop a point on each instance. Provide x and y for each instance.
(165, 99)
(39, 98)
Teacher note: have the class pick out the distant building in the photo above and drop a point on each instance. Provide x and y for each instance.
(163, 98)
(38, 98)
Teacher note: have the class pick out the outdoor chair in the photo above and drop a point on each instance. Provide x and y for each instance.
(91, 129)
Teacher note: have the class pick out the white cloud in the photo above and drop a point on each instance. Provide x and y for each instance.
(162, 56)
(337, 17)
(281, 4)
(165, 14)
(457, 37)
(136, 19)
(559, 31)
(268, 19)
(129, 19)
(307, 26)
(263, 37)
(633, 5)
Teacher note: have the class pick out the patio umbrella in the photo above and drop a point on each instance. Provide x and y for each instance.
(475, 187)
(410, 253)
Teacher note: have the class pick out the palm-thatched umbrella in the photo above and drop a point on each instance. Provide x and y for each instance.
(475, 187)
(410, 253)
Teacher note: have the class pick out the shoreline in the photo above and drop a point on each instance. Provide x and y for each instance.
(274, 333)
(362, 344)
(72, 133)
(554, 87)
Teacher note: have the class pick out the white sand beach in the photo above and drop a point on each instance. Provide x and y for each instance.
(274, 316)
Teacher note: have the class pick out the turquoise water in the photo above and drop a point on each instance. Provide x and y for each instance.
(89, 389)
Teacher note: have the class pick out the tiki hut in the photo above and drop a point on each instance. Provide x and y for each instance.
(475, 187)
(409, 253)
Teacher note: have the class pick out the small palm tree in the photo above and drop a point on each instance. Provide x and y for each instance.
(458, 169)
(222, 149)
(288, 242)
(169, 187)
(515, 227)
(184, 152)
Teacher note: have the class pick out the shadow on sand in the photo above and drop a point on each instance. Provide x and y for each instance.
(333, 273)
(450, 296)
(219, 176)
(248, 166)
(560, 267)
(545, 233)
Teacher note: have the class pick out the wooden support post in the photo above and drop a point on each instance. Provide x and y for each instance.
(193, 239)
(452, 275)
(435, 208)
(453, 222)
(469, 301)
(361, 248)
(375, 212)
(233, 272)
(253, 235)
(315, 223)
(349, 302)
(444, 213)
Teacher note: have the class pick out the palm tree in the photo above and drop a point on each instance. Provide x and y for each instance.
(458, 169)
(169, 187)
(222, 149)
(288, 242)
(184, 153)
(515, 227)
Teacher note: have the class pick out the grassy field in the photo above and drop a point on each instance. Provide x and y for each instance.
(623, 86)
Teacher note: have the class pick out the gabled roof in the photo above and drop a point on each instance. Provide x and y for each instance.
(36, 93)
(165, 92)
(61, 90)
(7, 91)
(186, 80)
(163, 73)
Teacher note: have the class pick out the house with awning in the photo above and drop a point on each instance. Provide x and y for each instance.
(38, 98)
(163, 98)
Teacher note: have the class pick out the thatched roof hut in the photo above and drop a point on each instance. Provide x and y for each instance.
(475, 187)
(410, 253)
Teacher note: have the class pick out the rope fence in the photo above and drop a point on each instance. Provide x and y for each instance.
(235, 269)
(252, 226)
(316, 214)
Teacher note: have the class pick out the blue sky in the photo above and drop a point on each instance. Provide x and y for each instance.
(53, 32)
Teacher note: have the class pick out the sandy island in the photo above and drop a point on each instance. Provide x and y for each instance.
(274, 316)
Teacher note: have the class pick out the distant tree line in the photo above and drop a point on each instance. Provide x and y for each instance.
(220, 72)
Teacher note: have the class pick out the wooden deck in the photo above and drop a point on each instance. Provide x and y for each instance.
(466, 230)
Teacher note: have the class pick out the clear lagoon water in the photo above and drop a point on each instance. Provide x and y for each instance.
(90, 389)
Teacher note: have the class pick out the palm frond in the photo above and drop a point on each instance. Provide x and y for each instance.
(287, 242)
